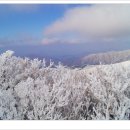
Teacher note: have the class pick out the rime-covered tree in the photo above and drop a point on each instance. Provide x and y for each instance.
(29, 89)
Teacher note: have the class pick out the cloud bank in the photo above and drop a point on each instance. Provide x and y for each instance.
(104, 22)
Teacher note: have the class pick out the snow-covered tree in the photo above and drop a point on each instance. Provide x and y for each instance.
(31, 90)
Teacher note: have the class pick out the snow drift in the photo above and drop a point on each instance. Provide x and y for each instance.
(30, 90)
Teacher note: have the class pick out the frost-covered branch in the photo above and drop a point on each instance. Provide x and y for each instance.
(29, 89)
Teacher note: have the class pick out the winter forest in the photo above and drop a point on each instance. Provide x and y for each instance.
(32, 90)
(64, 61)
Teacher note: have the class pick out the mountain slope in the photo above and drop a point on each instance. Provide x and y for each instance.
(31, 90)
(106, 58)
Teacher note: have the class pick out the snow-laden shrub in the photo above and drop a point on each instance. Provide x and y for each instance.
(31, 90)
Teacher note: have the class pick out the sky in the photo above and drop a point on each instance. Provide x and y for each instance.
(64, 30)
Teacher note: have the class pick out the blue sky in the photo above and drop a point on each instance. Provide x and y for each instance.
(15, 22)
(64, 30)
(31, 19)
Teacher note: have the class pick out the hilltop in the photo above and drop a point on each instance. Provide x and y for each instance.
(106, 58)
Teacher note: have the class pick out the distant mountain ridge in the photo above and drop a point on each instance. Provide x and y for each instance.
(106, 58)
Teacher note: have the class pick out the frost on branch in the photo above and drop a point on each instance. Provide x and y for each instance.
(29, 89)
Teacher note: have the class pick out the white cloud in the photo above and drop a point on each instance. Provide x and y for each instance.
(54, 40)
(92, 22)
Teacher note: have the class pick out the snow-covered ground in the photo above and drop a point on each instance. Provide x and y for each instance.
(106, 58)
(31, 90)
